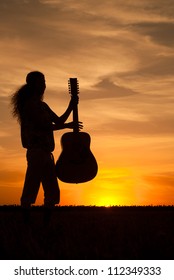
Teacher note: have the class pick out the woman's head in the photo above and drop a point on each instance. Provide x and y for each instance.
(33, 89)
(36, 81)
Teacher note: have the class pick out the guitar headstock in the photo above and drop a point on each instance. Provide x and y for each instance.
(73, 86)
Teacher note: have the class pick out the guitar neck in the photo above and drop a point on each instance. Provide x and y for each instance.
(75, 119)
(74, 91)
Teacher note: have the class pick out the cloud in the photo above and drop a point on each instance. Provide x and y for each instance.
(153, 127)
(142, 9)
(113, 89)
(10, 195)
(105, 89)
(136, 114)
(120, 127)
(84, 39)
(11, 177)
(105, 45)
(159, 32)
(159, 66)
(164, 179)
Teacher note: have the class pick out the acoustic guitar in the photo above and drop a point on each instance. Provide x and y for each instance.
(76, 163)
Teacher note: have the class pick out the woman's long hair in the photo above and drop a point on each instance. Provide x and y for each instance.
(24, 93)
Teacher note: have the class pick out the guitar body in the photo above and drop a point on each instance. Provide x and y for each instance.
(76, 163)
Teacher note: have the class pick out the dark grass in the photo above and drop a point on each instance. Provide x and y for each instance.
(79, 232)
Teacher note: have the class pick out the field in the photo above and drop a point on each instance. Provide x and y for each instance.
(88, 233)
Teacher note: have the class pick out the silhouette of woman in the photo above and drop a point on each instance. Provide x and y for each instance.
(37, 122)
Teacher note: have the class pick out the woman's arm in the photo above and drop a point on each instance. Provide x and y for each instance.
(59, 122)
(66, 125)
(73, 102)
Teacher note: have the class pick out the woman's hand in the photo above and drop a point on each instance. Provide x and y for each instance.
(73, 125)
(80, 125)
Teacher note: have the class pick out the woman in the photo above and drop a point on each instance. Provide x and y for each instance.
(37, 123)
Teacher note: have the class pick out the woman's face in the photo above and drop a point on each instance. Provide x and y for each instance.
(40, 85)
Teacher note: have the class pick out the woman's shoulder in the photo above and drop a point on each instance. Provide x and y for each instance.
(45, 106)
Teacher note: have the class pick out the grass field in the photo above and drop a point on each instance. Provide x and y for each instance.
(88, 233)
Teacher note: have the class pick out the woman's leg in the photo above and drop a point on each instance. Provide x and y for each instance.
(50, 183)
(32, 178)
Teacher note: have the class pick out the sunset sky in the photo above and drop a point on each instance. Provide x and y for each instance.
(122, 53)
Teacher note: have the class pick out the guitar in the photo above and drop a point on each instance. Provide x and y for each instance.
(76, 163)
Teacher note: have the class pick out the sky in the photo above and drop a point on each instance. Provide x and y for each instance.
(122, 53)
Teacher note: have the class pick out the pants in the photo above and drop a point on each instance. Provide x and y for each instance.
(40, 169)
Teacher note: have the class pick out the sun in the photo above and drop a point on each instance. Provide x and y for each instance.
(107, 201)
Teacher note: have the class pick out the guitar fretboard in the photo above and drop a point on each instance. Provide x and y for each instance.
(74, 91)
